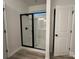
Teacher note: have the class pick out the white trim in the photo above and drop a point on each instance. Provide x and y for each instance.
(48, 17)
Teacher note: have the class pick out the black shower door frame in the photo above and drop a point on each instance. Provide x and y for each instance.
(32, 29)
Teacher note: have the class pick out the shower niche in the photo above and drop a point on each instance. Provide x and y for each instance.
(33, 30)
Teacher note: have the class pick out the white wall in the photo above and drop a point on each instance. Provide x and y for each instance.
(37, 8)
(13, 10)
(17, 5)
(64, 2)
(13, 27)
(49, 27)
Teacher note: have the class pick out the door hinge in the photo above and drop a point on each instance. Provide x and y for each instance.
(70, 31)
(72, 12)
(6, 50)
(69, 49)
(4, 31)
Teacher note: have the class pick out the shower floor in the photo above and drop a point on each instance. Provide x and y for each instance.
(25, 54)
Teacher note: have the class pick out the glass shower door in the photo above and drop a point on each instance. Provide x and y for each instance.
(27, 30)
(40, 30)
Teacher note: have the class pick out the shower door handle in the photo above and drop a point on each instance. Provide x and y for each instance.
(26, 28)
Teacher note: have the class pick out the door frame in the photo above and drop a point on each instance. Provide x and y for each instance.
(32, 29)
(54, 31)
(5, 35)
(71, 6)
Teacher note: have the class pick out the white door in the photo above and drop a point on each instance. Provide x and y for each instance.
(62, 30)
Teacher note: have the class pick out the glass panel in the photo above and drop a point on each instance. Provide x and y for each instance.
(40, 30)
(27, 30)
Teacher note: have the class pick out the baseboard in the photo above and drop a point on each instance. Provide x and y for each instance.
(32, 49)
(72, 54)
(14, 52)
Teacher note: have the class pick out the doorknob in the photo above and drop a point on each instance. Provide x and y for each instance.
(56, 35)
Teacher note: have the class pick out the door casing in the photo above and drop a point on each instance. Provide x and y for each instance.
(55, 29)
(32, 29)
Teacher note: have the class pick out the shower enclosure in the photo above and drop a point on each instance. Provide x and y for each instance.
(33, 30)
